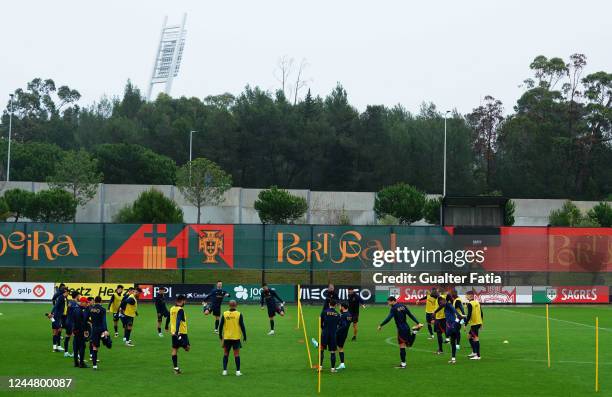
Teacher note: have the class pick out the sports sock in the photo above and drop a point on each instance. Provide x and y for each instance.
(439, 335)
(115, 326)
(66, 342)
(333, 359)
(159, 330)
(225, 363)
(341, 357)
(175, 360)
(458, 338)
(94, 357)
(128, 333)
(91, 350)
(403, 354)
(322, 354)
(472, 344)
(477, 344)
(237, 359)
(430, 329)
(54, 338)
(272, 325)
(453, 346)
(167, 322)
(216, 324)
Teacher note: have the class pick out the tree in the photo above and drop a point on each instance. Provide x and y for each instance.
(567, 215)
(151, 206)
(602, 214)
(431, 210)
(18, 201)
(124, 163)
(4, 210)
(509, 213)
(77, 173)
(485, 121)
(278, 206)
(52, 205)
(32, 161)
(203, 183)
(401, 201)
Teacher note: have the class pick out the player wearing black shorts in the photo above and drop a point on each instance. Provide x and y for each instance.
(346, 318)
(405, 335)
(99, 330)
(354, 301)
(330, 319)
(80, 331)
(162, 310)
(274, 304)
(215, 297)
(59, 311)
(178, 329)
(474, 321)
(114, 305)
(231, 330)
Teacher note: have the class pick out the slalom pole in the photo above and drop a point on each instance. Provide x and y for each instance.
(306, 341)
(319, 360)
(299, 309)
(596, 354)
(548, 335)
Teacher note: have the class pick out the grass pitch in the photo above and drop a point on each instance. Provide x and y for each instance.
(278, 365)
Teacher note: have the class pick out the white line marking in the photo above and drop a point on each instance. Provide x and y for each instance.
(391, 342)
(557, 319)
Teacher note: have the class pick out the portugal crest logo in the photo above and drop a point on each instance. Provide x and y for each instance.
(551, 294)
(211, 244)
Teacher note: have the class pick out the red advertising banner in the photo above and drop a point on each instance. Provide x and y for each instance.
(409, 294)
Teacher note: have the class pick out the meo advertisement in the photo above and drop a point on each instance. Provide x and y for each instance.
(26, 291)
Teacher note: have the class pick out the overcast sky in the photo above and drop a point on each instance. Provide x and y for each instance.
(383, 52)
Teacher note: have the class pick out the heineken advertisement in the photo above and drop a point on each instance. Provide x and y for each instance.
(305, 247)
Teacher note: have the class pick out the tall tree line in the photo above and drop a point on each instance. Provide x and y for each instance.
(555, 143)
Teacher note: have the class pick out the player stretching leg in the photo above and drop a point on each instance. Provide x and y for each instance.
(231, 330)
(431, 303)
(453, 325)
(346, 318)
(216, 295)
(113, 306)
(273, 302)
(405, 335)
(474, 321)
(178, 328)
(129, 309)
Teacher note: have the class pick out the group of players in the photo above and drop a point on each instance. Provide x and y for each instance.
(84, 319)
(445, 314)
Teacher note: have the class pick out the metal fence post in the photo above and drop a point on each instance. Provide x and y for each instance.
(24, 275)
(311, 263)
(103, 251)
(263, 253)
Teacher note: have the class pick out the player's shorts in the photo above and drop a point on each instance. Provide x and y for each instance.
(95, 336)
(127, 320)
(162, 313)
(355, 317)
(115, 316)
(341, 338)
(216, 311)
(429, 317)
(474, 329)
(405, 335)
(440, 325)
(182, 341)
(272, 311)
(453, 329)
(329, 342)
(229, 344)
(56, 323)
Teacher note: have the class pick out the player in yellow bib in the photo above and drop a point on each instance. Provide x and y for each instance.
(113, 306)
(431, 303)
(474, 321)
(178, 329)
(440, 322)
(129, 310)
(231, 330)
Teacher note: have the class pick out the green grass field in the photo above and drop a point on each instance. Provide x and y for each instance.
(278, 365)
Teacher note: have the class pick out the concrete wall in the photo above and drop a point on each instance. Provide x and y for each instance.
(324, 207)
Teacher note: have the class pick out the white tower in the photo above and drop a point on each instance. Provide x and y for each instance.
(169, 55)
